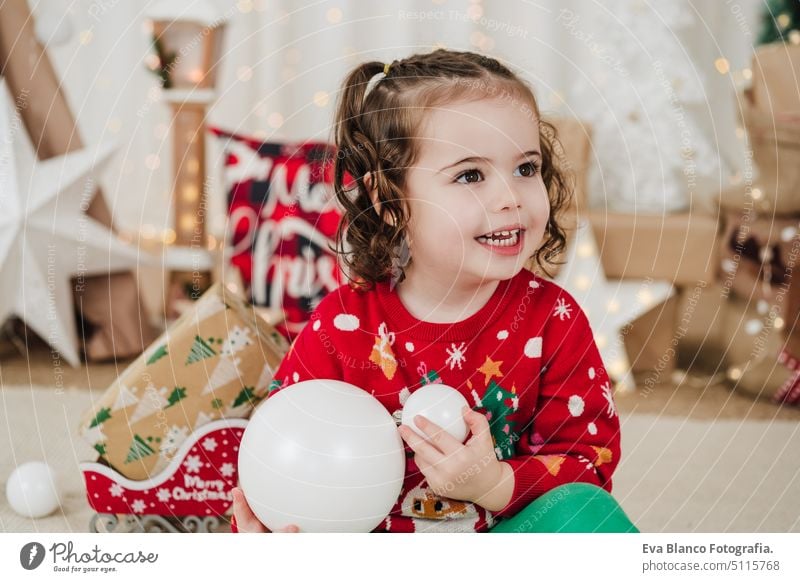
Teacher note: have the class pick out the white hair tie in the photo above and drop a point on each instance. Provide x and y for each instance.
(376, 79)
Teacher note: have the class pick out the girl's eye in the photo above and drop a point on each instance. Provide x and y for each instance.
(527, 170)
(471, 176)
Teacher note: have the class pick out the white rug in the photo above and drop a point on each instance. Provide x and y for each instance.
(675, 475)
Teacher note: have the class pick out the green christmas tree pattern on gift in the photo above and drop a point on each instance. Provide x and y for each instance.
(202, 349)
(178, 394)
(499, 403)
(247, 396)
(140, 448)
(160, 352)
(103, 415)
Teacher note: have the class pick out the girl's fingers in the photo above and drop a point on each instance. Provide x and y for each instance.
(477, 424)
(421, 446)
(246, 520)
(439, 437)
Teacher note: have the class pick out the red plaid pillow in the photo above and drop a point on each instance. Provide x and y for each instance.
(282, 221)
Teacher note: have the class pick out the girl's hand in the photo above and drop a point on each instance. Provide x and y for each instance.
(468, 472)
(246, 520)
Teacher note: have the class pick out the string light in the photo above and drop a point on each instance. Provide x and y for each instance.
(187, 222)
(196, 75)
(152, 162)
(582, 282)
(334, 15)
(169, 236)
(193, 166)
(321, 98)
(474, 12)
(734, 373)
(722, 65)
(190, 193)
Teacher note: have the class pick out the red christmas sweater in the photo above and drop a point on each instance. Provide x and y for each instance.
(527, 360)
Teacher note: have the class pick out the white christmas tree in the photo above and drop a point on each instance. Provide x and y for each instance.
(153, 400)
(643, 101)
(226, 371)
(125, 397)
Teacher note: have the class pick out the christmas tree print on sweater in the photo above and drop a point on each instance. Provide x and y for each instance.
(497, 404)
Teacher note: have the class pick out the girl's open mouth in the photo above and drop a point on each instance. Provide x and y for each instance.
(504, 242)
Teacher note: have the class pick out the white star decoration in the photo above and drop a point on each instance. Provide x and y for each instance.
(609, 305)
(46, 239)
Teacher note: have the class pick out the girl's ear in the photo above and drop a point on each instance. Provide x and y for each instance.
(373, 196)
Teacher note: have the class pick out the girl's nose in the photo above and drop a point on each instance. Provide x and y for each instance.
(508, 199)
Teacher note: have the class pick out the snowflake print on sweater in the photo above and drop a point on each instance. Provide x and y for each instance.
(527, 360)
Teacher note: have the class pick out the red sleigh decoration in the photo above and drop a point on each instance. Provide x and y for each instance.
(197, 482)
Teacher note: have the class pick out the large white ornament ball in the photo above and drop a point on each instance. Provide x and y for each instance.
(442, 405)
(323, 455)
(32, 490)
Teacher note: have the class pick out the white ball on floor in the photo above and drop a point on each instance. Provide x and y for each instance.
(323, 455)
(441, 404)
(32, 491)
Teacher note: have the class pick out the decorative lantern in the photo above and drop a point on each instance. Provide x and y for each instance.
(187, 39)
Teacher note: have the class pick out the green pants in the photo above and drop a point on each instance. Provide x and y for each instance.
(571, 508)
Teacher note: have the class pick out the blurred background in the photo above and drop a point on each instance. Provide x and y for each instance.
(155, 152)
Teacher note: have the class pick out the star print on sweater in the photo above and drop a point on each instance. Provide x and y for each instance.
(527, 360)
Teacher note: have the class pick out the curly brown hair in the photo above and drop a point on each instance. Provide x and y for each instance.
(376, 136)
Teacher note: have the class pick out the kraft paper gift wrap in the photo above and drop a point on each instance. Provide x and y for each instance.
(216, 361)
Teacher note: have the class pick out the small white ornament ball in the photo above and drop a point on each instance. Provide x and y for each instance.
(32, 490)
(442, 405)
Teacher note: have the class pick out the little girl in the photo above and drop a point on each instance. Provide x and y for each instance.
(456, 187)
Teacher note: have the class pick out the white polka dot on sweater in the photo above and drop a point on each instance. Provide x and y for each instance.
(315, 326)
(502, 334)
(409, 346)
(346, 322)
(592, 428)
(534, 284)
(296, 377)
(591, 373)
(575, 405)
(533, 347)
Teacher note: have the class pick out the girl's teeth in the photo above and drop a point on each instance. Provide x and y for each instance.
(507, 242)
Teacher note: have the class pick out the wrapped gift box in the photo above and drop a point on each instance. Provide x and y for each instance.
(774, 140)
(215, 362)
(776, 68)
(651, 341)
(792, 325)
(679, 248)
(757, 259)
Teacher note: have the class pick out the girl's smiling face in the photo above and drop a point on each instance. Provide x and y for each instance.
(478, 205)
